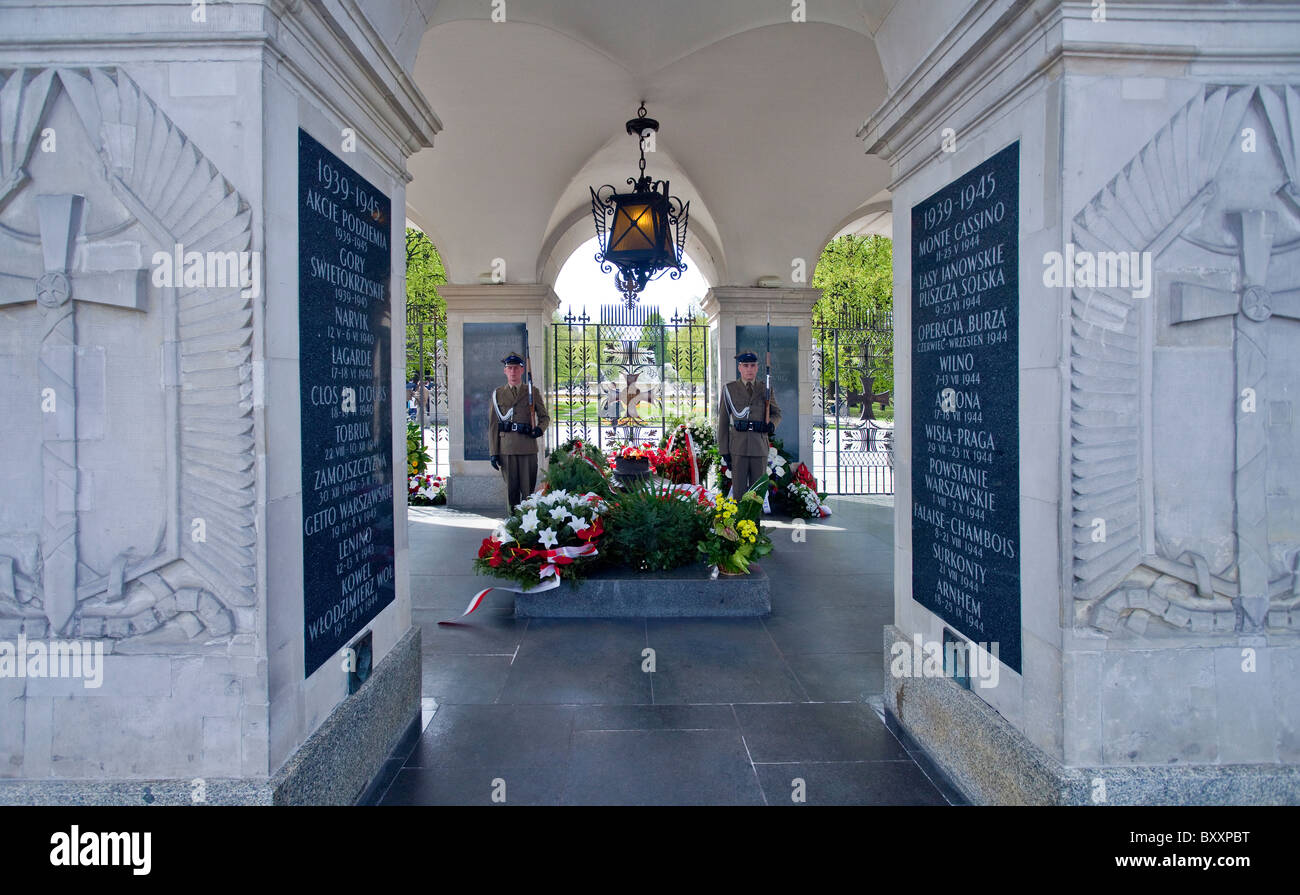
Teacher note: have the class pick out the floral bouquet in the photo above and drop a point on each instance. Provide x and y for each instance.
(417, 458)
(735, 537)
(578, 468)
(694, 435)
(794, 490)
(425, 490)
(803, 499)
(644, 451)
(545, 535)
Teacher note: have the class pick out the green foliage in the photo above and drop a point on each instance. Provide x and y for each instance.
(855, 274)
(734, 536)
(575, 355)
(578, 469)
(417, 458)
(654, 529)
(655, 337)
(424, 274)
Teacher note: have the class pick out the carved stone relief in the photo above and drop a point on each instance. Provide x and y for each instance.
(130, 400)
(1183, 435)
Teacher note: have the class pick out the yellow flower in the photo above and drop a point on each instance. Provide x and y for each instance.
(748, 530)
(727, 508)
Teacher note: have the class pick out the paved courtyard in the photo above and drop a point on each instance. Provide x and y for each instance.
(737, 711)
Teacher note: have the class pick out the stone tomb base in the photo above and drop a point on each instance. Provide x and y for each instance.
(681, 593)
(333, 767)
(992, 763)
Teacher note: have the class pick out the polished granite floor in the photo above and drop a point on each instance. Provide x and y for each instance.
(737, 711)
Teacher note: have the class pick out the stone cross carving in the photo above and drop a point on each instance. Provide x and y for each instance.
(1250, 309)
(55, 291)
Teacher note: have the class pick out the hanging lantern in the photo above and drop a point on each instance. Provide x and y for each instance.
(642, 234)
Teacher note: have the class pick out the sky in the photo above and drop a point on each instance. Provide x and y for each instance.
(581, 283)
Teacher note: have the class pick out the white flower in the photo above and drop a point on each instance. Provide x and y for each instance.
(559, 513)
(579, 524)
(528, 504)
(530, 521)
(548, 538)
(502, 534)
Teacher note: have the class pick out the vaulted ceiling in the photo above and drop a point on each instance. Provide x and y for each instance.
(758, 112)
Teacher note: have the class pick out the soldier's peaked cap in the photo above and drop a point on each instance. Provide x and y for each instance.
(512, 360)
(748, 357)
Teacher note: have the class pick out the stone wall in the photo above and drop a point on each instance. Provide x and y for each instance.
(1157, 504)
(153, 457)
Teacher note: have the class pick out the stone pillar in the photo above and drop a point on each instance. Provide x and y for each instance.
(1153, 591)
(175, 475)
(483, 323)
(730, 307)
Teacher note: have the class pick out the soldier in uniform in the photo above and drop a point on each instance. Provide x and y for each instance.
(742, 432)
(512, 437)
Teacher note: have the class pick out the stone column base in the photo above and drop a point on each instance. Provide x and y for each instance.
(333, 767)
(484, 494)
(992, 763)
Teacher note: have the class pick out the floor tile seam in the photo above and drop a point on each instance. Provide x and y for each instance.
(926, 764)
(587, 705)
(853, 761)
(384, 795)
(784, 661)
(645, 629)
(568, 757)
(478, 767)
(653, 729)
(475, 655)
(922, 764)
(847, 652)
(753, 769)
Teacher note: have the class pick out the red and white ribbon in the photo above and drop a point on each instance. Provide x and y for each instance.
(561, 556)
(690, 449)
(477, 601)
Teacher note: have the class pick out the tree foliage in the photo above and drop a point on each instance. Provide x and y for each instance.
(855, 274)
(424, 274)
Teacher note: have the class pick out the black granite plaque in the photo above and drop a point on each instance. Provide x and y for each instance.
(785, 374)
(485, 345)
(966, 406)
(345, 373)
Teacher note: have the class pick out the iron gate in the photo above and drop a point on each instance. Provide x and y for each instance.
(426, 384)
(852, 359)
(626, 376)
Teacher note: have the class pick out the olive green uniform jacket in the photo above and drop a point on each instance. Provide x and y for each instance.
(744, 444)
(513, 403)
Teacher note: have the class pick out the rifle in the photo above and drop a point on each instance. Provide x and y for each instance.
(528, 368)
(767, 410)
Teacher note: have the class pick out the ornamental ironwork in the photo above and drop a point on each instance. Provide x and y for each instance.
(642, 234)
(628, 376)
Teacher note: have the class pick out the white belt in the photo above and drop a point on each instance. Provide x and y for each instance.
(726, 393)
(503, 417)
